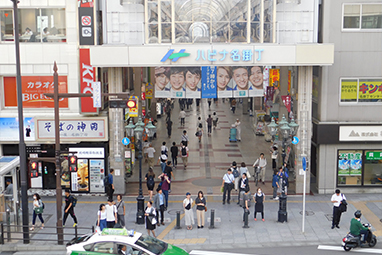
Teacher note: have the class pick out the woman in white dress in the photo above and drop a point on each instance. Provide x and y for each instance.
(188, 213)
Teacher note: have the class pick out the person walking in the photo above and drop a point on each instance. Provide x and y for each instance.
(199, 132)
(164, 149)
(182, 117)
(259, 199)
(184, 155)
(283, 177)
(159, 206)
(243, 186)
(165, 187)
(274, 155)
(243, 169)
(101, 223)
(233, 105)
(184, 138)
(336, 199)
(8, 194)
(38, 208)
(111, 214)
(188, 213)
(209, 124)
(215, 120)
(169, 127)
(275, 185)
(69, 208)
(227, 185)
(169, 173)
(236, 174)
(199, 122)
(174, 154)
(209, 100)
(262, 163)
(150, 155)
(110, 186)
(238, 128)
(150, 182)
(201, 208)
(121, 211)
(162, 161)
(246, 202)
(151, 221)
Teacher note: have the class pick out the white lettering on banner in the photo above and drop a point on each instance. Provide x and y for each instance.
(360, 133)
(88, 152)
(87, 71)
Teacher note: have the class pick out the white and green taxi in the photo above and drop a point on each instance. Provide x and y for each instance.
(120, 241)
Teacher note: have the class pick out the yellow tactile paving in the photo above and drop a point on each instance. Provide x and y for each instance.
(370, 216)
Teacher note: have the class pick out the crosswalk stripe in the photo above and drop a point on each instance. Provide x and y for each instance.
(340, 248)
(197, 252)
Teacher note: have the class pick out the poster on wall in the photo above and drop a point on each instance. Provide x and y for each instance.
(209, 82)
(343, 167)
(356, 167)
(83, 175)
(192, 82)
(97, 173)
(223, 77)
(350, 163)
(65, 174)
(9, 129)
(74, 181)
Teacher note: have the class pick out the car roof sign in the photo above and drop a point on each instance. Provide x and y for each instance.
(117, 232)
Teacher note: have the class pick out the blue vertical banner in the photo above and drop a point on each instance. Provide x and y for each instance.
(209, 82)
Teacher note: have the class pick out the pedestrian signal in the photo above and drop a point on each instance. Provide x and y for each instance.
(34, 168)
(73, 163)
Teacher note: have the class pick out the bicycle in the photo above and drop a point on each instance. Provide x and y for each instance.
(256, 175)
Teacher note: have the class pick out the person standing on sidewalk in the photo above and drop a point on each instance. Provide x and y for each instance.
(236, 174)
(184, 155)
(170, 174)
(337, 200)
(150, 214)
(188, 212)
(215, 120)
(182, 117)
(200, 202)
(165, 187)
(102, 217)
(259, 199)
(209, 124)
(111, 214)
(274, 155)
(150, 155)
(227, 185)
(246, 202)
(174, 154)
(169, 127)
(238, 128)
(110, 186)
(275, 185)
(69, 208)
(121, 211)
(184, 138)
(243, 186)
(38, 208)
(262, 163)
(159, 206)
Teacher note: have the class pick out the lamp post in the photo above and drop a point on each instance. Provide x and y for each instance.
(137, 130)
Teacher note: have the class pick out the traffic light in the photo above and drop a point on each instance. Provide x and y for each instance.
(73, 164)
(34, 168)
(132, 103)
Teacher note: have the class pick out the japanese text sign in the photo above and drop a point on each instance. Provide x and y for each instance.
(209, 82)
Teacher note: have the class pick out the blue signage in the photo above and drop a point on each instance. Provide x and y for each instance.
(304, 163)
(295, 140)
(209, 82)
(125, 141)
(174, 56)
(235, 55)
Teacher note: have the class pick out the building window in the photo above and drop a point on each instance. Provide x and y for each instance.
(35, 25)
(361, 90)
(373, 168)
(362, 16)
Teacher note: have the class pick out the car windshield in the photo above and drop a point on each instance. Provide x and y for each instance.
(79, 239)
(151, 244)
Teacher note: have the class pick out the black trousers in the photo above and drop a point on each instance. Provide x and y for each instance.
(161, 210)
(110, 224)
(174, 160)
(110, 192)
(71, 212)
(336, 216)
(169, 132)
(227, 188)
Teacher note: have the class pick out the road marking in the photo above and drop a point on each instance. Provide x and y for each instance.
(197, 252)
(340, 248)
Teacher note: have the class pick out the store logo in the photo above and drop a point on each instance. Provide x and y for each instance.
(174, 56)
(353, 134)
(86, 32)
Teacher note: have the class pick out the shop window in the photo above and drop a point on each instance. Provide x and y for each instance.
(373, 168)
(362, 16)
(361, 90)
(349, 169)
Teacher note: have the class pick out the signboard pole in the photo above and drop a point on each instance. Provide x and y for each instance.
(303, 194)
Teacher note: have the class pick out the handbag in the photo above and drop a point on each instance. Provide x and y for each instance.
(205, 208)
(343, 205)
(188, 207)
(153, 221)
(39, 210)
(222, 189)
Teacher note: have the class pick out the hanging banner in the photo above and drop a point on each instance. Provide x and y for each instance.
(209, 82)
(149, 90)
(256, 80)
(86, 22)
(87, 77)
(274, 76)
(287, 102)
(289, 79)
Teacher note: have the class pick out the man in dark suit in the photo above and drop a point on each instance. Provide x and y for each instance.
(243, 186)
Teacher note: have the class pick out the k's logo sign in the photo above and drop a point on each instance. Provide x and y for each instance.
(174, 56)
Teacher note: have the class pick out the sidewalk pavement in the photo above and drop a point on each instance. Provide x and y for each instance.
(228, 232)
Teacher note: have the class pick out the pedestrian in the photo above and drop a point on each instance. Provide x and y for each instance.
(155, 134)
(259, 199)
(209, 124)
(199, 121)
(233, 105)
(262, 163)
(199, 132)
(337, 199)
(121, 211)
(38, 209)
(182, 117)
(169, 127)
(159, 206)
(169, 173)
(184, 138)
(215, 120)
(274, 154)
(111, 214)
(165, 187)
(227, 185)
(246, 202)
(238, 128)
(164, 149)
(69, 208)
(243, 169)
(236, 174)
(150, 155)
(188, 213)
(110, 185)
(197, 104)
(150, 218)
(184, 154)
(174, 154)
(275, 185)
(283, 177)
(162, 161)
(146, 145)
(150, 181)
(201, 209)
(243, 186)
(101, 223)
(8, 194)
(209, 100)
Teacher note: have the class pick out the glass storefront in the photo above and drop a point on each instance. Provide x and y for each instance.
(359, 167)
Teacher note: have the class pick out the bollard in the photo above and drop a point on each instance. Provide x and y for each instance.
(75, 231)
(246, 212)
(212, 219)
(92, 229)
(8, 216)
(177, 220)
(2, 233)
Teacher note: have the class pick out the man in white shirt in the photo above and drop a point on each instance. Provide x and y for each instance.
(228, 183)
(184, 138)
(262, 163)
(111, 214)
(182, 117)
(337, 200)
(150, 155)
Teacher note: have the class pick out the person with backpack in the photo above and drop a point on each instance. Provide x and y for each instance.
(159, 205)
(109, 184)
(174, 154)
(121, 211)
(70, 203)
(150, 181)
(164, 149)
(111, 214)
(162, 161)
(184, 138)
(38, 208)
(236, 174)
(184, 154)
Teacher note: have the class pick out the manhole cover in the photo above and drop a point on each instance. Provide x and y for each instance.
(173, 211)
(207, 182)
(307, 213)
